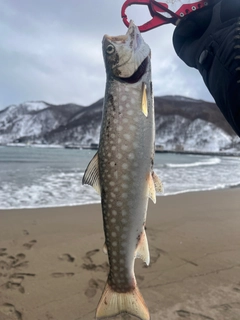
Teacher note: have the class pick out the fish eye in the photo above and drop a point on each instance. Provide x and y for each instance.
(110, 49)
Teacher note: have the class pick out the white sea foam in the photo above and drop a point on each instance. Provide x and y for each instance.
(34, 178)
(208, 162)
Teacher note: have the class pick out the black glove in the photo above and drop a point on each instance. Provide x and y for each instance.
(209, 40)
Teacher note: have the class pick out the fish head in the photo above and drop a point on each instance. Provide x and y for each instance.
(124, 55)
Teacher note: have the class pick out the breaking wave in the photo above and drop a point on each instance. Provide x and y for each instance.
(209, 162)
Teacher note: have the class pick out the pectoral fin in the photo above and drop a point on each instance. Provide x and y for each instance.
(154, 184)
(91, 175)
(151, 188)
(144, 100)
(158, 183)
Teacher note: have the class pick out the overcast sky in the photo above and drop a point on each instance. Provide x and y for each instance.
(51, 50)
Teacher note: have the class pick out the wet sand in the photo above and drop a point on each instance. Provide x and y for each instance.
(52, 266)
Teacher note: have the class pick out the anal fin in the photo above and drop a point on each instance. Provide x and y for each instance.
(142, 251)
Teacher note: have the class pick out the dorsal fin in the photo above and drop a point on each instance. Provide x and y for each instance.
(91, 175)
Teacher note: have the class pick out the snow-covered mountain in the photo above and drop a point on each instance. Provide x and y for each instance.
(181, 123)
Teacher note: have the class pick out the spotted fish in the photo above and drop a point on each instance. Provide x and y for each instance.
(122, 169)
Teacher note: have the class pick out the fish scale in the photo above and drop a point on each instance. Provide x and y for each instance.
(122, 170)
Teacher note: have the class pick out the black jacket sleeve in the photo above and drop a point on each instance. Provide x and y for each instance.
(209, 40)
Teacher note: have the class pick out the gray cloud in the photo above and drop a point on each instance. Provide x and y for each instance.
(51, 50)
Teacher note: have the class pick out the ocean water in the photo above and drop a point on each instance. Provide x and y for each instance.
(33, 177)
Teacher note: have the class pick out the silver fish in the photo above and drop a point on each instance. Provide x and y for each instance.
(122, 169)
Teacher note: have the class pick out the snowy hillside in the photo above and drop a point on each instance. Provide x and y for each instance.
(181, 124)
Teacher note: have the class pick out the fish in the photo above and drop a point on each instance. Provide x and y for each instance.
(122, 169)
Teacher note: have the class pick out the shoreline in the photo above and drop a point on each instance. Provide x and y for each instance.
(236, 186)
(53, 267)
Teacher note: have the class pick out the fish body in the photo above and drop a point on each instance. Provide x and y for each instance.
(122, 170)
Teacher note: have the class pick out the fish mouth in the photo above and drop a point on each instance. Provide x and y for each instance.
(131, 57)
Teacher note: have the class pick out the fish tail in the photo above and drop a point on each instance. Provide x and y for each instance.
(113, 303)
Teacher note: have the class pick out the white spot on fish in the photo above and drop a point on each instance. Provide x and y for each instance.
(115, 121)
(124, 236)
(124, 195)
(130, 112)
(114, 243)
(125, 166)
(120, 108)
(125, 120)
(119, 128)
(114, 212)
(133, 100)
(127, 136)
(124, 147)
(124, 245)
(124, 186)
(113, 220)
(116, 189)
(112, 163)
(112, 135)
(124, 212)
(125, 177)
(135, 145)
(119, 140)
(132, 127)
(127, 105)
(113, 195)
(112, 183)
(124, 98)
(119, 156)
(119, 203)
(109, 155)
(131, 156)
(114, 234)
(113, 148)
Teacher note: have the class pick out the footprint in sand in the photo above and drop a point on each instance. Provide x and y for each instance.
(61, 275)
(3, 252)
(66, 257)
(15, 283)
(10, 310)
(29, 244)
(89, 263)
(4, 266)
(192, 316)
(93, 285)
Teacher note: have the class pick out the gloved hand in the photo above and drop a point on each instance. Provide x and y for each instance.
(209, 40)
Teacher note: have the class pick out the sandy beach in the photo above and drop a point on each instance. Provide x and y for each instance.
(52, 266)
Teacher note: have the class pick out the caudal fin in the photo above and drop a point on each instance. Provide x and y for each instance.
(113, 303)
